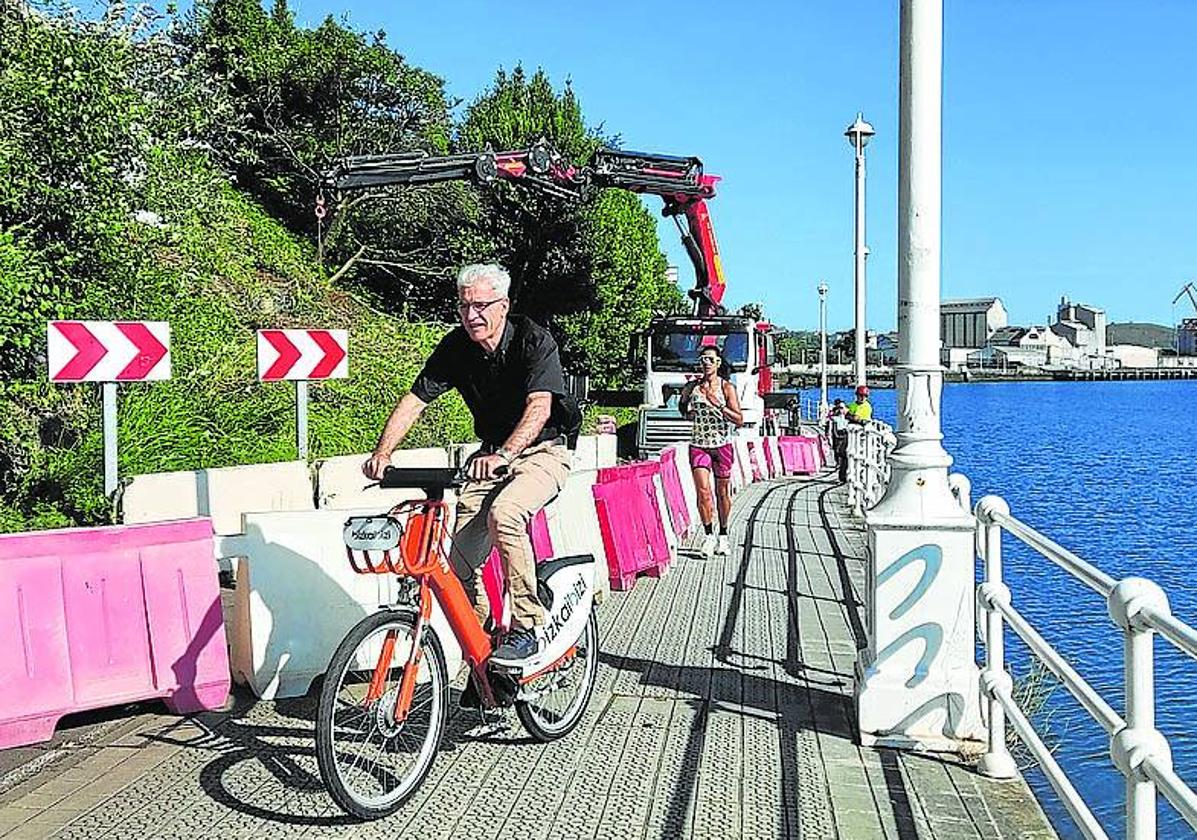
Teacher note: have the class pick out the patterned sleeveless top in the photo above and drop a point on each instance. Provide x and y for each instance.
(710, 429)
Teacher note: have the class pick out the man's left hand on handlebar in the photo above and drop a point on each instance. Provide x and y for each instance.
(485, 467)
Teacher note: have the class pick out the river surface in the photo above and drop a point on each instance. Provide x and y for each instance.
(1109, 471)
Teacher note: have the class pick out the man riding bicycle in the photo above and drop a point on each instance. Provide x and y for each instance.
(508, 371)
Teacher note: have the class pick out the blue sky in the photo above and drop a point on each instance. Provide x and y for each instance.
(1068, 134)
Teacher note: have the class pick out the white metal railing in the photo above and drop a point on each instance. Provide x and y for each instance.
(1140, 609)
(869, 446)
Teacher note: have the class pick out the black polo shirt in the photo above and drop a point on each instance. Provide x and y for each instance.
(495, 386)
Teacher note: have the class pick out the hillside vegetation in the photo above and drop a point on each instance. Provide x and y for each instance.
(163, 169)
(1142, 335)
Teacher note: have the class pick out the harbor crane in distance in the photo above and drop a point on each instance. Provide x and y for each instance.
(1189, 289)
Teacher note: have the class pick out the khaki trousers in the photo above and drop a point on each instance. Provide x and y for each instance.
(498, 512)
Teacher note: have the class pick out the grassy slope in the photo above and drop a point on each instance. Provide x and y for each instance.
(218, 270)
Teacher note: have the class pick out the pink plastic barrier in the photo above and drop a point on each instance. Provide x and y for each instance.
(94, 617)
(492, 570)
(801, 454)
(675, 497)
(770, 463)
(630, 522)
(818, 453)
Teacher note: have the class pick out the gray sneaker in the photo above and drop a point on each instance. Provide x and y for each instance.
(518, 646)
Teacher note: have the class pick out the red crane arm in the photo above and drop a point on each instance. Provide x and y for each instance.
(685, 188)
(679, 181)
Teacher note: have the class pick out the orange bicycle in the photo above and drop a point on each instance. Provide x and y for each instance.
(385, 698)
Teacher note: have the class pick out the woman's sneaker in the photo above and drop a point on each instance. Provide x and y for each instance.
(709, 543)
(723, 547)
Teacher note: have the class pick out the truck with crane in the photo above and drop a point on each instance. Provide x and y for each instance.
(671, 343)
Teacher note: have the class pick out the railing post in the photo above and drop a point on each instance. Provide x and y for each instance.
(1139, 739)
(997, 761)
(877, 458)
(856, 469)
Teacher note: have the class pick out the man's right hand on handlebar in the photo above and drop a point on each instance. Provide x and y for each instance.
(483, 467)
(376, 466)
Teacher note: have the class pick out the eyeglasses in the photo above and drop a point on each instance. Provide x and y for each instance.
(708, 360)
(478, 307)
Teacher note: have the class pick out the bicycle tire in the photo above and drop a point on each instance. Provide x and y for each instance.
(435, 696)
(535, 719)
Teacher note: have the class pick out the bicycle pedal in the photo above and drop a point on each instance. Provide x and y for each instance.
(487, 729)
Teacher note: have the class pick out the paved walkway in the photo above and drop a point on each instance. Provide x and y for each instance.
(723, 710)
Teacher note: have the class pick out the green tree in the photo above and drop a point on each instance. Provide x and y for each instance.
(629, 286)
(592, 268)
(305, 98)
(86, 107)
(754, 310)
(537, 237)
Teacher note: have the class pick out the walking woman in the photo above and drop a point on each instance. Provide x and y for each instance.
(711, 403)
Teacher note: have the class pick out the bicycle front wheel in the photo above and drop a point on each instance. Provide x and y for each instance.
(371, 761)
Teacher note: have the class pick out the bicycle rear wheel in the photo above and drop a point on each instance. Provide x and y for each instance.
(372, 763)
(551, 705)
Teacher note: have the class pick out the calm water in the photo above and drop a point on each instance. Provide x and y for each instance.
(1108, 471)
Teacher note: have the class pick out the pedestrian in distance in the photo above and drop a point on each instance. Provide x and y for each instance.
(860, 410)
(711, 404)
(837, 430)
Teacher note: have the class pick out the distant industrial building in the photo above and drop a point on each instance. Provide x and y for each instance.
(975, 334)
(970, 322)
(1083, 326)
(1186, 337)
(966, 326)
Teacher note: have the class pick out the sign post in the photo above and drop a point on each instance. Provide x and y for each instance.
(109, 352)
(301, 418)
(108, 391)
(301, 355)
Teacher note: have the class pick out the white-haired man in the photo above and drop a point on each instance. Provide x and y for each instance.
(508, 371)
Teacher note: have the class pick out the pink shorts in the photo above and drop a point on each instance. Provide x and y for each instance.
(718, 459)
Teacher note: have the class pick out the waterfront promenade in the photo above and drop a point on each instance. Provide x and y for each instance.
(723, 709)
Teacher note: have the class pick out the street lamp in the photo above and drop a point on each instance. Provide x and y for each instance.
(919, 523)
(858, 135)
(822, 350)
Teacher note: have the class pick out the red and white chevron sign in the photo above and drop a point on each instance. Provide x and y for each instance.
(303, 354)
(108, 351)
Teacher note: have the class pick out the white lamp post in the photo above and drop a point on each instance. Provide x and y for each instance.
(822, 351)
(858, 135)
(917, 681)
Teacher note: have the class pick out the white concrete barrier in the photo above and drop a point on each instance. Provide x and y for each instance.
(666, 518)
(223, 494)
(574, 528)
(742, 472)
(340, 484)
(297, 597)
(586, 453)
(607, 452)
(688, 487)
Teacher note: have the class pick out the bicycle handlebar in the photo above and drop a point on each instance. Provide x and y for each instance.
(432, 480)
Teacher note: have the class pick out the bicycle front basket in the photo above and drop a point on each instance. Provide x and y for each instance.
(365, 536)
